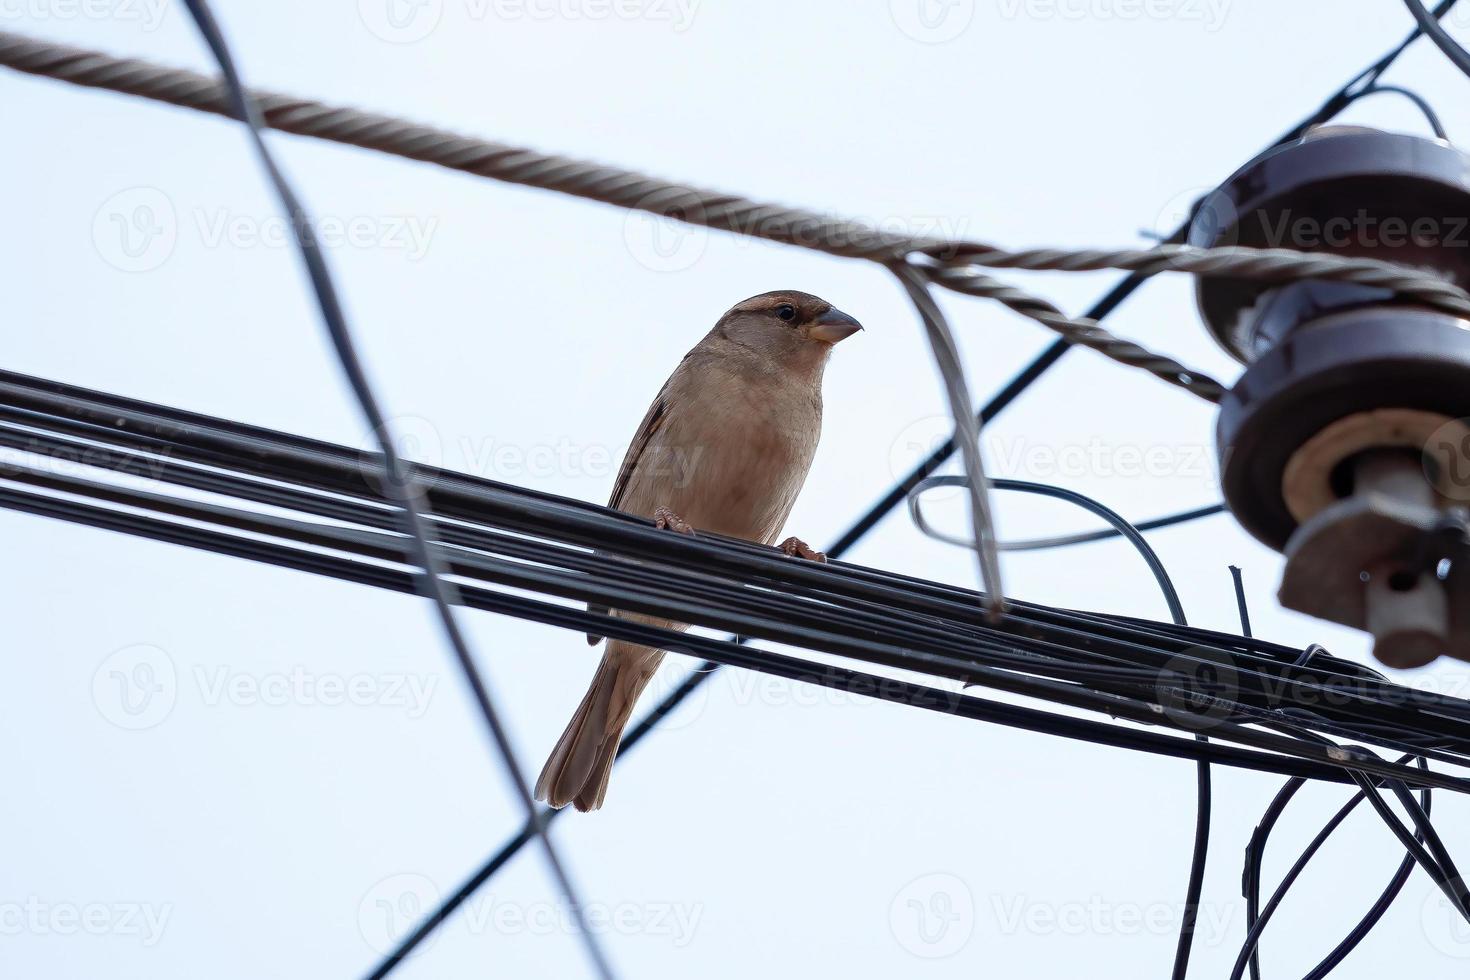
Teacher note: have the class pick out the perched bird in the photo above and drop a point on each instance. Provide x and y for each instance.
(724, 448)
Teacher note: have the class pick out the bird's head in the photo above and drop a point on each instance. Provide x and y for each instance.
(790, 327)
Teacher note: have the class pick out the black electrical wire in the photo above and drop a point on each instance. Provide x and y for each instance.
(1251, 877)
(1369, 76)
(1019, 384)
(1257, 921)
(811, 625)
(1200, 853)
(1361, 696)
(1107, 534)
(1423, 846)
(1251, 885)
(1118, 522)
(398, 477)
(137, 423)
(636, 544)
(1421, 103)
(1240, 603)
(1430, 25)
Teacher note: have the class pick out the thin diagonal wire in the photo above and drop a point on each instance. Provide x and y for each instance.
(1420, 103)
(1038, 366)
(967, 433)
(1334, 104)
(400, 482)
(1430, 25)
(1012, 390)
(795, 226)
(1200, 852)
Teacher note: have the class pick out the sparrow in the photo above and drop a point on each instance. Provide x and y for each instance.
(724, 448)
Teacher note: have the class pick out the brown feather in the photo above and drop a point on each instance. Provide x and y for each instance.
(726, 445)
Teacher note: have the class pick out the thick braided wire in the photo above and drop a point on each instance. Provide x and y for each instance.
(949, 264)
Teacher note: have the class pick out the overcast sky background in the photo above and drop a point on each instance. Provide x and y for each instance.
(237, 824)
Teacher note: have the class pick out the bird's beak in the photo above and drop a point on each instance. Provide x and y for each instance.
(833, 326)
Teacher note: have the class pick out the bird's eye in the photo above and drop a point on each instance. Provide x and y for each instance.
(786, 312)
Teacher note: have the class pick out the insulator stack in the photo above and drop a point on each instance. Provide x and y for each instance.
(1345, 444)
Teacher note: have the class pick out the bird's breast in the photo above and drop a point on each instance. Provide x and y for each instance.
(732, 465)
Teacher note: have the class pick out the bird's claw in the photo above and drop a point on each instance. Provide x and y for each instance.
(663, 518)
(797, 548)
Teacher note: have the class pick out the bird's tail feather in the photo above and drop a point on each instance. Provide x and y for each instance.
(579, 767)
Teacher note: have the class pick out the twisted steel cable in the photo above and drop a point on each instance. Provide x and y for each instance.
(949, 264)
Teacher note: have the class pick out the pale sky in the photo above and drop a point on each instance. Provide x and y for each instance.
(253, 820)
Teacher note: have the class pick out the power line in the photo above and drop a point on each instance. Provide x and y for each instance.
(950, 264)
(965, 280)
(398, 477)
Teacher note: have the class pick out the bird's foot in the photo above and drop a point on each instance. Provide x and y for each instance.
(797, 548)
(663, 518)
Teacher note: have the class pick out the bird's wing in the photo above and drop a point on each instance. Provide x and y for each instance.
(658, 414)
